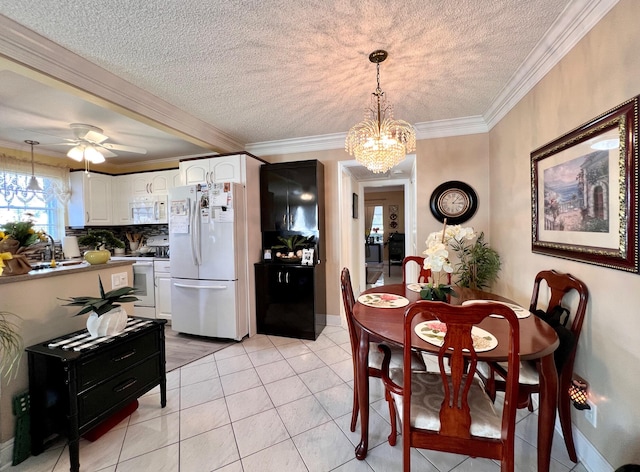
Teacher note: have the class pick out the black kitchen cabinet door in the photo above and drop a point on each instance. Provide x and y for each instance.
(290, 300)
(289, 196)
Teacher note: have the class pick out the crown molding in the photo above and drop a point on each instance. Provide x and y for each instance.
(453, 127)
(322, 142)
(571, 26)
(37, 53)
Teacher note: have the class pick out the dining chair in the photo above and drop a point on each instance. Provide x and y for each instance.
(375, 356)
(423, 275)
(449, 410)
(558, 286)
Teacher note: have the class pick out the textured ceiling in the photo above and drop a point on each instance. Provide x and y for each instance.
(273, 69)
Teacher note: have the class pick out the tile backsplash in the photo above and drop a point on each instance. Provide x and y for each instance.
(120, 232)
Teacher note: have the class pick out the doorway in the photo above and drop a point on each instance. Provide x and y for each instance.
(355, 232)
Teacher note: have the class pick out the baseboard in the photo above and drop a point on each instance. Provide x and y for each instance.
(6, 454)
(334, 320)
(588, 455)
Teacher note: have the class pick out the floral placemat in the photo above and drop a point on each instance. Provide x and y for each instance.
(416, 287)
(383, 300)
(517, 309)
(434, 332)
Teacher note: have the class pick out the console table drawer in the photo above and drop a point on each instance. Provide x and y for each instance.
(114, 360)
(127, 384)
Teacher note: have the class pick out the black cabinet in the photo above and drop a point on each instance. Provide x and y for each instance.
(292, 201)
(72, 391)
(396, 249)
(290, 300)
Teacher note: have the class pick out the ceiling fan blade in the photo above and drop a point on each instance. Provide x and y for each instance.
(94, 137)
(119, 147)
(70, 143)
(105, 152)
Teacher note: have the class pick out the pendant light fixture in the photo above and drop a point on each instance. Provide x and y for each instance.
(33, 182)
(380, 142)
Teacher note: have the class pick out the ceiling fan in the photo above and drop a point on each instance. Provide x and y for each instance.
(89, 144)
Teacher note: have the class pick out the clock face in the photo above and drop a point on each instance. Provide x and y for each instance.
(455, 201)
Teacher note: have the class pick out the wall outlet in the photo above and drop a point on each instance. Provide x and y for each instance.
(591, 415)
(119, 280)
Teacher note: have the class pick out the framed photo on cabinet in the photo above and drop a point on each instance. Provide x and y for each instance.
(584, 192)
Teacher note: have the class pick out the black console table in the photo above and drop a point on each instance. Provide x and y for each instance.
(76, 382)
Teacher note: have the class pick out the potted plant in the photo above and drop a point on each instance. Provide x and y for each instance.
(291, 247)
(100, 240)
(10, 344)
(479, 264)
(107, 316)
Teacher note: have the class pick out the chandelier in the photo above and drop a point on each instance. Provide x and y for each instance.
(380, 142)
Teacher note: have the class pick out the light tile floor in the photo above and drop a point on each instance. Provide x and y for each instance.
(268, 404)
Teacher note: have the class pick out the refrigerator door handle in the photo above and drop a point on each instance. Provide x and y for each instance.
(197, 232)
(192, 235)
(202, 287)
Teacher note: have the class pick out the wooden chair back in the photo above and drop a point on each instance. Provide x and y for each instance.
(560, 285)
(457, 361)
(423, 275)
(349, 301)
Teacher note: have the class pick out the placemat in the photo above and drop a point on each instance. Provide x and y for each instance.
(517, 309)
(434, 331)
(383, 300)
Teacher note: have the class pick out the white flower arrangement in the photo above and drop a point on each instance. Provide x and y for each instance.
(437, 255)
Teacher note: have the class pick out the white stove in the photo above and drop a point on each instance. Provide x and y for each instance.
(144, 274)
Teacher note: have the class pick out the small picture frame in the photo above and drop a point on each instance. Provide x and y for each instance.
(267, 254)
(307, 256)
(354, 204)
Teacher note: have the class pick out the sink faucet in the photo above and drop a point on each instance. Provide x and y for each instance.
(51, 244)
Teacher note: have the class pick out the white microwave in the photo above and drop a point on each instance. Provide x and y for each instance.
(149, 210)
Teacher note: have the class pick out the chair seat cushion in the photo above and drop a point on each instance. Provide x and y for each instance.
(375, 358)
(427, 394)
(528, 372)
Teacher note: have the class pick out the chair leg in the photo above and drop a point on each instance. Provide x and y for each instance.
(356, 408)
(392, 417)
(564, 415)
(490, 385)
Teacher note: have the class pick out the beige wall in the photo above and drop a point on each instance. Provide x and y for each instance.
(599, 73)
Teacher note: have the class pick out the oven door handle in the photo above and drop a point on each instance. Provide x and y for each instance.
(143, 264)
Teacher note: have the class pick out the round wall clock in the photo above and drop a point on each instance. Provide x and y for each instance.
(455, 201)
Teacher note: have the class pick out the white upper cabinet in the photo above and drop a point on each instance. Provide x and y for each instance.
(154, 183)
(90, 202)
(212, 170)
(121, 191)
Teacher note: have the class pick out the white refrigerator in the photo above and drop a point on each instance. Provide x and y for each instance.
(207, 252)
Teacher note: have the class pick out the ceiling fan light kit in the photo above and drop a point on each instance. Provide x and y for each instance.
(380, 142)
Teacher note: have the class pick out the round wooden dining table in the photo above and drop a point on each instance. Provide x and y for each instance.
(538, 341)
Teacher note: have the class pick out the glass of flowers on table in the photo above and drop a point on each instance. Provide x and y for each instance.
(15, 239)
(437, 260)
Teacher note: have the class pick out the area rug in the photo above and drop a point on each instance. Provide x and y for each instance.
(374, 271)
(181, 349)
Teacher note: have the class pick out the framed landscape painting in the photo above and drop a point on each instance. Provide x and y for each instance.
(584, 192)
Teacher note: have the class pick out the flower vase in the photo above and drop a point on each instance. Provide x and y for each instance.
(111, 323)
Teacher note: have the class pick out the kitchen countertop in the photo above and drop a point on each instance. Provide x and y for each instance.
(63, 270)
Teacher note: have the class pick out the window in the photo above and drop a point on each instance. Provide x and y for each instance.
(46, 207)
(377, 224)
